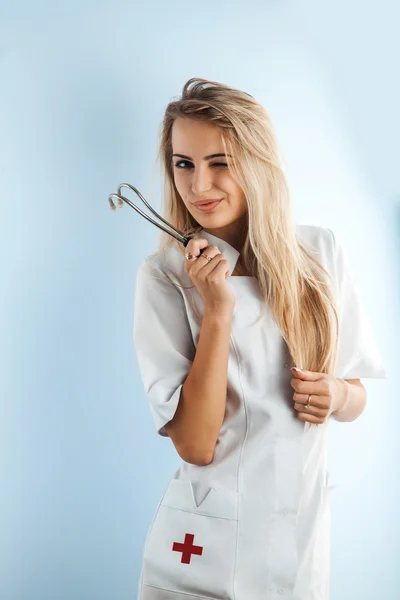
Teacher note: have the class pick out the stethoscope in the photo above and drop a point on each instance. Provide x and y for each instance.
(181, 237)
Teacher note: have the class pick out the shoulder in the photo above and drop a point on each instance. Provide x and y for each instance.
(316, 235)
(166, 264)
(320, 240)
(323, 244)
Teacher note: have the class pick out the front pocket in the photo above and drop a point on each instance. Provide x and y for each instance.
(149, 592)
(191, 549)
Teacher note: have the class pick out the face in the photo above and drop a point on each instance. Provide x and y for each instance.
(200, 176)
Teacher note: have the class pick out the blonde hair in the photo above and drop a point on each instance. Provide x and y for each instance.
(292, 281)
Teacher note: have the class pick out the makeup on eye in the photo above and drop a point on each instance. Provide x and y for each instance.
(177, 164)
(189, 159)
(209, 157)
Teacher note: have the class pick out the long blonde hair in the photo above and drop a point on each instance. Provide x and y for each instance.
(292, 281)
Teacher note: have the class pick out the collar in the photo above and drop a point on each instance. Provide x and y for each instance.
(230, 253)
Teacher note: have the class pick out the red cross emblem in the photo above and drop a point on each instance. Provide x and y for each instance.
(187, 548)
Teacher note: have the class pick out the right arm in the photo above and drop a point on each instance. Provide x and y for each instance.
(198, 419)
(185, 386)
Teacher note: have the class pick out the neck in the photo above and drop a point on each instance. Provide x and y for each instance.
(234, 233)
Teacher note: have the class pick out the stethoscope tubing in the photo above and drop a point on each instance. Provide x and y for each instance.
(178, 235)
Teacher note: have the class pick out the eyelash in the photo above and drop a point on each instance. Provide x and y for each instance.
(186, 161)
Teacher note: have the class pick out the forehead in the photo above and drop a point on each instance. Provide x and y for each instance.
(189, 135)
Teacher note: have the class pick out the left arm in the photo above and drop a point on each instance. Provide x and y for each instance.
(342, 399)
(353, 401)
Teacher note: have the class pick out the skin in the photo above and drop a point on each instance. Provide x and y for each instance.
(199, 179)
(343, 399)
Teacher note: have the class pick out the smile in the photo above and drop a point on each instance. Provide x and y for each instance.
(208, 207)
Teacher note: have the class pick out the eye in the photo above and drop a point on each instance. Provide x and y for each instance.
(179, 163)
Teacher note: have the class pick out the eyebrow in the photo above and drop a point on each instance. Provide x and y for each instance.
(209, 157)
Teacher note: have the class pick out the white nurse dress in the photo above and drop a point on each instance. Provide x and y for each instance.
(254, 524)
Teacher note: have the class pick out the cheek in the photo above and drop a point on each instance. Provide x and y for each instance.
(227, 186)
(236, 194)
(228, 181)
(181, 185)
(183, 191)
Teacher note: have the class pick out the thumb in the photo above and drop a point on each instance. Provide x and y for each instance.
(304, 375)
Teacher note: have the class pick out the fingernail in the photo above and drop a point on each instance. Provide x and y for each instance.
(296, 369)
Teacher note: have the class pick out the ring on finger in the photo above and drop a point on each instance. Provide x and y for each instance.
(308, 401)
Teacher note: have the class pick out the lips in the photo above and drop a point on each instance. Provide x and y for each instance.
(203, 202)
(209, 207)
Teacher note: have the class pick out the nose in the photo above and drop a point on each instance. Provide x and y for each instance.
(202, 181)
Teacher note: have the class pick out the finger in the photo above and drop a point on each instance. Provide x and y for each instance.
(316, 400)
(306, 375)
(194, 248)
(222, 266)
(195, 245)
(308, 387)
(310, 418)
(295, 372)
(208, 269)
(312, 410)
(203, 265)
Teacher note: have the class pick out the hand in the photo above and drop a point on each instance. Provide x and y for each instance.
(327, 395)
(209, 277)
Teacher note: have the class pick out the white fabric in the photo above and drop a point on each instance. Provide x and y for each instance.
(259, 512)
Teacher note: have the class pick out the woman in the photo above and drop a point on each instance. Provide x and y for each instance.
(217, 327)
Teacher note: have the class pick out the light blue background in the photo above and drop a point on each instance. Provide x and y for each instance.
(83, 87)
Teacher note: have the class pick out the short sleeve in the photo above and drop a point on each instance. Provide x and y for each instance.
(358, 355)
(163, 342)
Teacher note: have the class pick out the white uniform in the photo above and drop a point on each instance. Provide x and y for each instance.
(254, 524)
